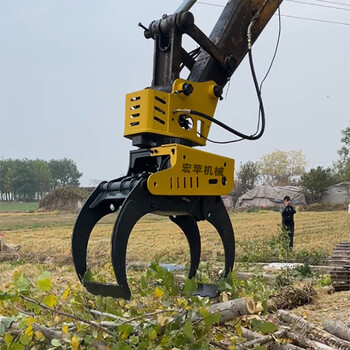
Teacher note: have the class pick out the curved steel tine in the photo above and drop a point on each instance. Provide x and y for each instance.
(136, 205)
(215, 212)
(190, 228)
(87, 219)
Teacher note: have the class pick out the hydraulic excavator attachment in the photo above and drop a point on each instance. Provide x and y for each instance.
(166, 175)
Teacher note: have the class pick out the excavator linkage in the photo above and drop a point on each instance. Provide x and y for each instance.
(166, 175)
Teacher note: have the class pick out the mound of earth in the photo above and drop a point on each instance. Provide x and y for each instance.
(64, 199)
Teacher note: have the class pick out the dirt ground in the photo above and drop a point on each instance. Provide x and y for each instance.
(335, 306)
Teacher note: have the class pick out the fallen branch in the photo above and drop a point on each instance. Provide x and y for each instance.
(337, 328)
(250, 335)
(305, 342)
(61, 313)
(312, 331)
(48, 333)
(284, 346)
(262, 340)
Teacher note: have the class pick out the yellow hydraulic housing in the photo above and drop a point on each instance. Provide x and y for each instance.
(192, 172)
(152, 111)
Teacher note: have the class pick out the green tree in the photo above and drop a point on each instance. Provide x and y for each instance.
(342, 165)
(282, 168)
(6, 170)
(64, 172)
(42, 175)
(315, 182)
(23, 181)
(248, 175)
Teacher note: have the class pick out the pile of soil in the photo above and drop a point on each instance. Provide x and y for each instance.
(66, 198)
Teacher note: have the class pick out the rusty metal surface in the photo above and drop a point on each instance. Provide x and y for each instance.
(230, 36)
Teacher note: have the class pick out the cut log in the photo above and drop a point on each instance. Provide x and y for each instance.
(305, 342)
(262, 340)
(233, 308)
(284, 346)
(337, 328)
(250, 335)
(313, 332)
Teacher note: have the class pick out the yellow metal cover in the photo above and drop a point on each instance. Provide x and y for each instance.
(192, 172)
(152, 111)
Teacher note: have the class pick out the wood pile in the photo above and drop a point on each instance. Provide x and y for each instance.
(296, 333)
(340, 267)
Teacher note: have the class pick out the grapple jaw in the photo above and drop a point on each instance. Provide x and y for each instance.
(131, 195)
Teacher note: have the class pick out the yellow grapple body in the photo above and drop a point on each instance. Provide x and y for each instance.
(192, 171)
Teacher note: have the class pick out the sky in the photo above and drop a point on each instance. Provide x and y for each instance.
(66, 65)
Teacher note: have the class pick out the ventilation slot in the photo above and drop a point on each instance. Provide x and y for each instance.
(178, 183)
(134, 123)
(135, 115)
(159, 110)
(159, 120)
(134, 107)
(136, 98)
(213, 181)
(160, 100)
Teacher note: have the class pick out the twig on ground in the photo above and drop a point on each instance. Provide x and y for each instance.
(61, 313)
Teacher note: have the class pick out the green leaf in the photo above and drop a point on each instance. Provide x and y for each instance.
(56, 342)
(7, 321)
(190, 285)
(212, 319)
(8, 338)
(5, 295)
(22, 283)
(117, 346)
(88, 277)
(268, 327)
(208, 318)
(43, 282)
(256, 324)
(219, 336)
(24, 339)
(144, 283)
(2, 330)
(16, 346)
(50, 300)
(188, 330)
(134, 339)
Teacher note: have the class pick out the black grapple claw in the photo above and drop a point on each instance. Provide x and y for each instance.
(131, 195)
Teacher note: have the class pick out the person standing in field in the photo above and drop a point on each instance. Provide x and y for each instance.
(288, 212)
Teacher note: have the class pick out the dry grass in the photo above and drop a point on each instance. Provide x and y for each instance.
(46, 236)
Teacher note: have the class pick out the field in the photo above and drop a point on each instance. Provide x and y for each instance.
(44, 241)
(18, 206)
(45, 237)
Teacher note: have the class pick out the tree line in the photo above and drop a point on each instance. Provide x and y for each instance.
(29, 180)
(283, 168)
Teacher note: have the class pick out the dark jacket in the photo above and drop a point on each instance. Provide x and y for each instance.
(288, 215)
